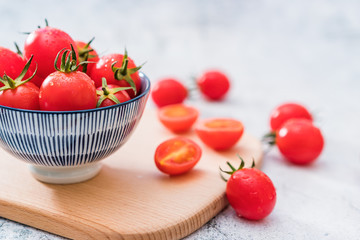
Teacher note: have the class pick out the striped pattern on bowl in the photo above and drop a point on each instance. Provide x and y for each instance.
(70, 138)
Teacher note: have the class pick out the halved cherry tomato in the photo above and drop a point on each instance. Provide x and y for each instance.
(177, 155)
(178, 117)
(220, 133)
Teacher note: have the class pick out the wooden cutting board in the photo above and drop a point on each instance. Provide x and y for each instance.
(129, 198)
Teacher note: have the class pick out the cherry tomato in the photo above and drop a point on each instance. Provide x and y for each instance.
(67, 89)
(287, 111)
(25, 96)
(178, 117)
(44, 44)
(168, 91)
(111, 94)
(19, 93)
(104, 68)
(299, 141)
(250, 192)
(11, 63)
(220, 133)
(86, 53)
(177, 155)
(214, 85)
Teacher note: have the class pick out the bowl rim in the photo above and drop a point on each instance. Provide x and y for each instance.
(146, 91)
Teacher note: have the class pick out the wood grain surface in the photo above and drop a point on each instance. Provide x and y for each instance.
(129, 198)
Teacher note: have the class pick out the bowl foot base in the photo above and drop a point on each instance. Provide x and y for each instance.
(65, 175)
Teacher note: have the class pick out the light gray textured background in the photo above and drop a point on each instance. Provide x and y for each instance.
(274, 51)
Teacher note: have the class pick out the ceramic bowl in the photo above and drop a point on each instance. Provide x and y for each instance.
(66, 147)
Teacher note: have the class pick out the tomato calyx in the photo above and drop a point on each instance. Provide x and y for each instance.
(18, 51)
(10, 83)
(108, 93)
(68, 60)
(46, 23)
(270, 138)
(124, 73)
(84, 54)
(233, 169)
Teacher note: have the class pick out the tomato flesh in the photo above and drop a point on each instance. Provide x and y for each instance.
(177, 156)
(299, 141)
(220, 133)
(178, 117)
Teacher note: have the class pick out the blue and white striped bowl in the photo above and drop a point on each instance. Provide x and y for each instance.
(65, 147)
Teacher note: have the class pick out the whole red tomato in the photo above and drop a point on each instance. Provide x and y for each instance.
(111, 94)
(250, 192)
(67, 89)
(177, 155)
(118, 65)
(287, 111)
(11, 63)
(44, 44)
(168, 91)
(86, 53)
(214, 85)
(19, 93)
(299, 141)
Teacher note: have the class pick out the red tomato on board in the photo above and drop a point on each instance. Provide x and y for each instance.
(177, 155)
(178, 117)
(19, 93)
(103, 68)
(287, 111)
(250, 192)
(220, 133)
(44, 44)
(86, 53)
(168, 91)
(214, 85)
(299, 141)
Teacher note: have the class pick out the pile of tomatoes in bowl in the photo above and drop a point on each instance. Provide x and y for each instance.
(57, 73)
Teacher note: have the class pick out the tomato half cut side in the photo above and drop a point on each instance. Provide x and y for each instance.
(177, 155)
(220, 133)
(178, 117)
